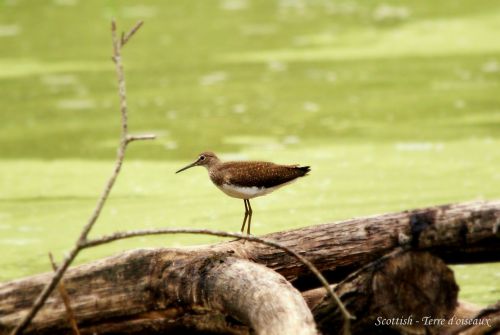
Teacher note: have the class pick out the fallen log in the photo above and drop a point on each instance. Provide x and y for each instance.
(174, 291)
(458, 233)
(399, 293)
(475, 322)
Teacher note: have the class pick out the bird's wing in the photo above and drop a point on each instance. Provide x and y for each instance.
(261, 174)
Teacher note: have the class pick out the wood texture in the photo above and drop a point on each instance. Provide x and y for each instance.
(405, 287)
(171, 291)
(466, 322)
(458, 233)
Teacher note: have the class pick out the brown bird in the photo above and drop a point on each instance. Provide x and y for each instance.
(247, 180)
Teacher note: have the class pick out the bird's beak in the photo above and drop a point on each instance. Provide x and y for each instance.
(187, 167)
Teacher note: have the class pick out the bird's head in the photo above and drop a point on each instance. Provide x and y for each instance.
(205, 159)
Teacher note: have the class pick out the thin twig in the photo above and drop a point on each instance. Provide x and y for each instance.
(131, 33)
(129, 234)
(65, 299)
(145, 137)
(47, 290)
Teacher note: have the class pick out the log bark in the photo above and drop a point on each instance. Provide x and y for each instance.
(174, 292)
(468, 321)
(390, 296)
(460, 233)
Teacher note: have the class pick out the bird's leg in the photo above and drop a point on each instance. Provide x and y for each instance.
(246, 215)
(249, 217)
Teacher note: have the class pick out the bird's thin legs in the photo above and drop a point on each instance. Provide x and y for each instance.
(246, 215)
(249, 217)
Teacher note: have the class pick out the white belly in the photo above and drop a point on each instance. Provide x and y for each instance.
(246, 192)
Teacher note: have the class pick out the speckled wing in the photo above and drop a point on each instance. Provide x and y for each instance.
(260, 174)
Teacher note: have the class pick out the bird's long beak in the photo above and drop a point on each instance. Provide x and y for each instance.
(187, 167)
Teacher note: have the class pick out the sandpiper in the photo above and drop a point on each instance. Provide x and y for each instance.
(248, 179)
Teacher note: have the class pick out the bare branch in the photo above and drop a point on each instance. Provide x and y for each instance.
(145, 137)
(65, 299)
(123, 235)
(131, 33)
(107, 189)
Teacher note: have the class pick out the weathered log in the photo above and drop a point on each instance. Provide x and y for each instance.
(459, 233)
(173, 291)
(467, 321)
(399, 293)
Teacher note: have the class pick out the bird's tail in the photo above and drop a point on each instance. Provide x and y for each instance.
(304, 169)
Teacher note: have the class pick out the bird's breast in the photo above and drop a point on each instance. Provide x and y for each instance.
(244, 192)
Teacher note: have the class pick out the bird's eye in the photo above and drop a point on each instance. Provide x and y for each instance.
(202, 158)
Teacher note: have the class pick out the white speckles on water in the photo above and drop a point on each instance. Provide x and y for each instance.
(331, 77)
(459, 104)
(491, 66)
(19, 241)
(311, 107)
(170, 145)
(59, 79)
(4, 226)
(296, 6)
(341, 8)
(27, 229)
(291, 139)
(277, 66)
(220, 100)
(171, 114)
(239, 108)
(353, 99)
(10, 30)
(107, 103)
(419, 146)
(321, 75)
(385, 12)
(66, 2)
(76, 104)
(159, 101)
(213, 78)
(139, 11)
(139, 190)
(233, 5)
(258, 30)
(463, 74)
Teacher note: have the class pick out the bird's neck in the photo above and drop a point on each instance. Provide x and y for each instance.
(213, 170)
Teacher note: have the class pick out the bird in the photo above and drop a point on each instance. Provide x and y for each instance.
(247, 179)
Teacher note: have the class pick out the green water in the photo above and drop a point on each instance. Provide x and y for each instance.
(394, 104)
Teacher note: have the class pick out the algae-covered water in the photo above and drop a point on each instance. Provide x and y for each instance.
(394, 105)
